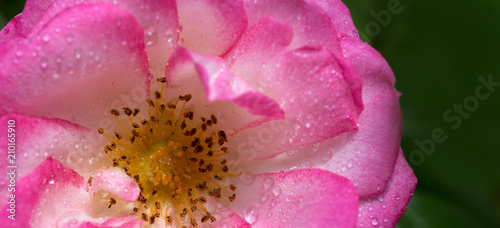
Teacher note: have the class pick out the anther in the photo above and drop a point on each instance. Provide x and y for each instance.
(151, 103)
(118, 135)
(186, 97)
(112, 202)
(157, 95)
(136, 111)
(214, 119)
(115, 112)
(232, 198)
(127, 111)
(100, 130)
(162, 80)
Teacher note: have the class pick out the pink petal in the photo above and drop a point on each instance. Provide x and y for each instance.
(385, 209)
(339, 15)
(130, 221)
(189, 72)
(211, 27)
(105, 63)
(319, 93)
(46, 195)
(117, 182)
(37, 139)
(366, 157)
(311, 25)
(157, 18)
(300, 198)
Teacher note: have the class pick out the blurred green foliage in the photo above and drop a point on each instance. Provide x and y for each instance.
(437, 50)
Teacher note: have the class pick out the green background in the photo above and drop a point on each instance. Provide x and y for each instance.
(437, 50)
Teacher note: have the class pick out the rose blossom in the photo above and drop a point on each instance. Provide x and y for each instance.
(198, 113)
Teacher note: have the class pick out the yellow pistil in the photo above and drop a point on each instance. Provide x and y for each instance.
(175, 160)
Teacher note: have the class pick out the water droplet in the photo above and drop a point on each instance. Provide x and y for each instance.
(44, 63)
(370, 208)
(247, 177)
(46, 38)
(374, 222)
(349, 163)
(252, 214)
(277, 191)
(19, 53)
(291, 152)
(264, 197)
(51, 182)
(268, 182)
(327, 155)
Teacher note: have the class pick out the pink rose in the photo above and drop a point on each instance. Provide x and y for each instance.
(259, 113)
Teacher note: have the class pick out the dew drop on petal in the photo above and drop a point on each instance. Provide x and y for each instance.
(291, 152)
(276, 190)
(264, 197)
(247, 177)
(268, 182)
(252, 214)
(374, 222)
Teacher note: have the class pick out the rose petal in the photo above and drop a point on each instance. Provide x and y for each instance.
(211, 27)
(339, 15)
(130, 221)
(36, 139)
(386, 209)
(157, 18)
(367, 156)
(117, 182)
(300, 198)
(189, 72)
(308, 83)
(45, 75)
(45, 195)
(311, 25)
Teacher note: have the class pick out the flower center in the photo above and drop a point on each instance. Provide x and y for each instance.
(177, 162)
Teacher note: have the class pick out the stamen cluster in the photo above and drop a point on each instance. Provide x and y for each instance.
(176, 161)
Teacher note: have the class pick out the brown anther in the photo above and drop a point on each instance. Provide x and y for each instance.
(210, 167)
(171, 106)
(132, 139)
(100, 130)
(232, 187)
(193, 131)
(193, 222)
(187, 133)
(225, 149)
(161, 80)
(123, 157)
(136, 111)
(194, 201)
(127, 111)
(223, 162)
(195, 142)
(203, 127)
(136, 209)
(168, 219)
(135, 125)
(183, 125)
(137, 178)
(162, 108)
(168, 123)
(232, 198)
(184, 148)
(135, 133)
(188, 115)
(222, 135)
(186, 97)
(115, 112)
(151, 220)
(210, 144)
(212, 219)
(155, 190)
(157, 95)
(209, 123)
(151, 103)
(118, 135)
(157, 214)
(214, 119)
(193, 208)
(202, 199)
(198, 149)
(154, 119)
(205, 218)
(111, 202)
(193, 159)
(217, 177)
(90, 180)
(184, 212)
(115, 163)
(144, 217)
(142, 199)
(202, 162)
(225, 168)
(144, 122)
(220, 142)
(210, 153)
